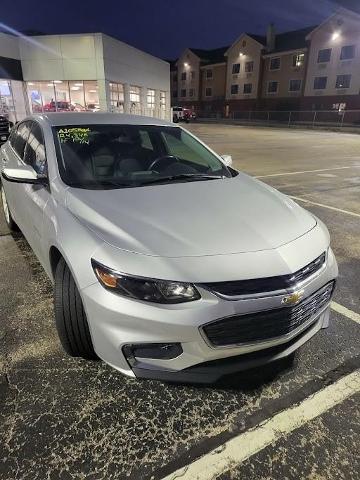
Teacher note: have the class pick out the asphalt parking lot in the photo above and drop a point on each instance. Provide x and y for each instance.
(63, 418)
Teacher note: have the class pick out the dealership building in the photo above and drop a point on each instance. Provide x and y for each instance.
(80, 72)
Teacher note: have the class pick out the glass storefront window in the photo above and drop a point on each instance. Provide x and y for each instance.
(135, 100)
(35, 97)
(63, 96)
(77, 97)
(117, 97)
(91, 90)
(162, 100)
(6, 99)
(150, 99)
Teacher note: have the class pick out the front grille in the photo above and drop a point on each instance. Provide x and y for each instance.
(265, 325)
(268, 284)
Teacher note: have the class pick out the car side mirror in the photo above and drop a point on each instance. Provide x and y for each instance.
(25, 174)
(227, 160)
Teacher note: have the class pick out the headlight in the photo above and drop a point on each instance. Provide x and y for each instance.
(146, 289)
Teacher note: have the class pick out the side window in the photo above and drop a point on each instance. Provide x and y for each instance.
(12, 136)
(20, 139)
(145, 140)
(35, 150)
(186, 148)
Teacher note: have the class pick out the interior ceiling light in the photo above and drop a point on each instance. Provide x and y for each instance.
(57, 81)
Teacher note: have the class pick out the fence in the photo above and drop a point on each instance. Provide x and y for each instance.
(321, 118)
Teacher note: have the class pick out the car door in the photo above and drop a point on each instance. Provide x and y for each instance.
(12, 157)
(36, 196)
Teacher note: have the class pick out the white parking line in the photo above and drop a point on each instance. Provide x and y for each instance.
(346, 312)
(306, 171)
(245, 445)
(325, 206)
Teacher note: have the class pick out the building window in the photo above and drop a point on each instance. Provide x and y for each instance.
(134, 94)
(150, 99)
(209, 74)
(163, 100)
(348, 52)
(247, 88)
(192, 75)
(208, 92)
(324, 55)
(343, 81)
(320, 83)
(295, 85)
(63, 96)
(249, 67)
(234, 89)
(236, 68)
(298, 60)
(183, 76)
(174, 94)
(191, 92)
(183, 92)
(91, 93)
(117, 96)
(273, 87)
(275, 63)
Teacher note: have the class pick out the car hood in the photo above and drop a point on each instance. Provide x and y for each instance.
(214, 217)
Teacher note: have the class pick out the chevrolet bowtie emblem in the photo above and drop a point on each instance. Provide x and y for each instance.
(293, 299)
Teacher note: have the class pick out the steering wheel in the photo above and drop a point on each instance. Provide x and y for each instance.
(161, 159)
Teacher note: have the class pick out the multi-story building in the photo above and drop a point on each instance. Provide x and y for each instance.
(81, 72)
(284, 69)
(333, 74)
(311, 68)
(244, 70)
(199, 76)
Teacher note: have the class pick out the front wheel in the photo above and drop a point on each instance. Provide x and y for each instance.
(7, 214)
(70, 317)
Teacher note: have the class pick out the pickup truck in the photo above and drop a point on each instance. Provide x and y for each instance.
(182, 114)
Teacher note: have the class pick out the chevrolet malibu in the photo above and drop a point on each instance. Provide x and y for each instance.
(167, 263)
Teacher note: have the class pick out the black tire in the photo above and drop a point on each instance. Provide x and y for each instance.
(175, 119)
(70, 317)
(7, 214)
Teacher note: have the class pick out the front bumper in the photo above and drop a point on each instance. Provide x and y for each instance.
(116, 321)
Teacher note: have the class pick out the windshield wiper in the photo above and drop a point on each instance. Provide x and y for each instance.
(100, 184)
(183, 176)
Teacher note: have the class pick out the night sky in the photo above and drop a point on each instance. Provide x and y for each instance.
(165, 27)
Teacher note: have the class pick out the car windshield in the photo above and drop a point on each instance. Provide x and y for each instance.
(120, 156)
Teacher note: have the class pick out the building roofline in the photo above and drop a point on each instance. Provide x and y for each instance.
(285, 52)
(244, 34)
(340, 10)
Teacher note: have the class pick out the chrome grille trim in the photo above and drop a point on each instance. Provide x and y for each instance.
(285, 322)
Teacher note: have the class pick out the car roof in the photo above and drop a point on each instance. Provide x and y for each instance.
(96, 118)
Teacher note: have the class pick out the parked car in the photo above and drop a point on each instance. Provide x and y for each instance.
(61, 106)
(5, 126)
(182, 114)
(92, 107)
(167, 262)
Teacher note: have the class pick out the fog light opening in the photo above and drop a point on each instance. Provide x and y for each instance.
(158, 351)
